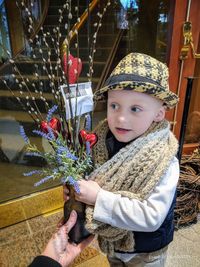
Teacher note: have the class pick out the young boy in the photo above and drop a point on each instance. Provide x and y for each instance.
(131, 193)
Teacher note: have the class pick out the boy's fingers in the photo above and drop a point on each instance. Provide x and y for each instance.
(65, 193)
(65, 198)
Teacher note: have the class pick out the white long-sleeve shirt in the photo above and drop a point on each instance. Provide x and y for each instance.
(135, 215)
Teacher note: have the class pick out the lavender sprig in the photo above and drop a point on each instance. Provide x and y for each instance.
(44, 180)
(42, 134)
(88, 122)
(23, 135)
(50, 112)
(32, 172)
(88, 150)
(64, 152)
(74, 183)
(62, 161)
(51, 133)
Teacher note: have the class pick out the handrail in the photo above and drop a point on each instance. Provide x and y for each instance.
(109, 60)
(43, 17)
(79, 24)
(41, 21)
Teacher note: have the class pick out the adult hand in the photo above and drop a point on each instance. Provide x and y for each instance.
(58, 247)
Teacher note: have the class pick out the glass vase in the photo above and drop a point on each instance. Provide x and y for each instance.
(78, 232)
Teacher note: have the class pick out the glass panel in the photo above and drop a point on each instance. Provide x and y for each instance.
(147, 25)
(13, 162)
(193, 122)
(4, 34)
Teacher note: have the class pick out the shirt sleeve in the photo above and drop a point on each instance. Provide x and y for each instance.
(135, 215)
(44, 261)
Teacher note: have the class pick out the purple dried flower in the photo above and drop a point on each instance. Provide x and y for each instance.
(32, 172)
(59, 159)
(44, 180)
(88, 122)
(71, 156)
(23, 134)
(64, 151)
(73, 183)
(88, 150)
(51, 133)
(46, 136)
(50, 112)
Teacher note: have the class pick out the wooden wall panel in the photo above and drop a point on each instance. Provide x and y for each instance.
(180, 11)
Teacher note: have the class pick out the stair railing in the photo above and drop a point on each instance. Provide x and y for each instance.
(78, 25)
(36, 30)
(109, 61)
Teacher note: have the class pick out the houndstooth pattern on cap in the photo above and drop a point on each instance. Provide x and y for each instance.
(152, 74)
(143, 65)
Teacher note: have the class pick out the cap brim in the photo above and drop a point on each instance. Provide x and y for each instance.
(168, 97)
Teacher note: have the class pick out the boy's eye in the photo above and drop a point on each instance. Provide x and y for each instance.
(114, 106)
(135, 109)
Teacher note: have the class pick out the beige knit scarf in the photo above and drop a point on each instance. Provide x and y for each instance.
(133, 172)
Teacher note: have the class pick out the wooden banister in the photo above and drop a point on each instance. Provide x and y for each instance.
(78, 25)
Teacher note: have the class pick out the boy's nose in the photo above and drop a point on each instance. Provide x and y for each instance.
(121, 117)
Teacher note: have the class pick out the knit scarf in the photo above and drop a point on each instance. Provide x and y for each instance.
(133, 172)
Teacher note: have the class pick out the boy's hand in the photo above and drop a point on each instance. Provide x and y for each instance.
(65, 193)
(88, 192)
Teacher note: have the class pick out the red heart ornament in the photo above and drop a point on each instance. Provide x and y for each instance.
(74, 67)
(54, 124)
(90, 137)
(44, 126)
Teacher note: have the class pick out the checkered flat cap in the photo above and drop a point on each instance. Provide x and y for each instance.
(141, 73)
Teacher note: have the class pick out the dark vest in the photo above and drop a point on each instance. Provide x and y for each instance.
(152, 241)
(147, 241)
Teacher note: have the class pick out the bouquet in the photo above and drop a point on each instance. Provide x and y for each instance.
(68, 160)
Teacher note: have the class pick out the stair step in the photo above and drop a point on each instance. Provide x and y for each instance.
(54, 7)
(33, 78)
(62, 2)
(45, 89)
(48, 96)
(20, 116)
(103, 40)
(29, 67)
(53, 19)
(106, 28)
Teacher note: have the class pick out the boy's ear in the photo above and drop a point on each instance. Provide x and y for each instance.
(160, 114)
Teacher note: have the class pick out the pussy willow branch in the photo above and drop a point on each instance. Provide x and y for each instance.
(93, 50)
(20, 85)
(19, 100)
(28, 90)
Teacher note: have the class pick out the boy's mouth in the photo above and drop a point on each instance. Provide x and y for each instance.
(122, 130)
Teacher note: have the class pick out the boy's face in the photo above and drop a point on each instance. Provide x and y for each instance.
(130, 113)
